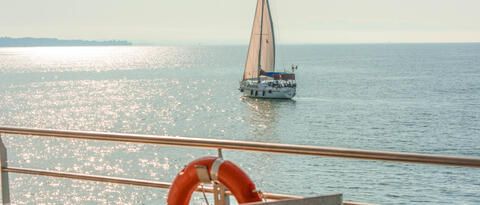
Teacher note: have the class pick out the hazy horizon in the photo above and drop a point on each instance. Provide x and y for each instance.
(133, 43)
(223, 44)
(218, 22)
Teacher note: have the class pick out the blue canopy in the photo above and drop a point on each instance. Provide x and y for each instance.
(271, 74)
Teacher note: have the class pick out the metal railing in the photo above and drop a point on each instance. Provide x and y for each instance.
(209, 143)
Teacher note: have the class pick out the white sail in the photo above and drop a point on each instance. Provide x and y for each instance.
(261, 51)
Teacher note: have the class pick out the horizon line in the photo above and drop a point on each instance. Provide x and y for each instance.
(303, 43)
(233, 43)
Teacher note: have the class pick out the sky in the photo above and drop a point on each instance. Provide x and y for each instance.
(230, 21)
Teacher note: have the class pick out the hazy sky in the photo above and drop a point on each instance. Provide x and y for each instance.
(229, 21)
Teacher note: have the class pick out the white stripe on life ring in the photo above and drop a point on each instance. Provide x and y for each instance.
(215, 167)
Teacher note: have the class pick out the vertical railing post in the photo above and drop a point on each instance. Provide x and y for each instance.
(219, 190)
(4, 178)
(219, 194)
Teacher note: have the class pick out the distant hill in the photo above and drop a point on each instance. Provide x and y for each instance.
(20, 42)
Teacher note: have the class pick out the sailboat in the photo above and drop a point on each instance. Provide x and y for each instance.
(260, 80)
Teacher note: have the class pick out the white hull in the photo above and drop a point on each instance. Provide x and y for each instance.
(263, 90)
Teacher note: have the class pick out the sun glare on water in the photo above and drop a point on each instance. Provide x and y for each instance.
(90, 58)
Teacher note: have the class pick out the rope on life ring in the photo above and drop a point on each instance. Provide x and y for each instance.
(223, 171)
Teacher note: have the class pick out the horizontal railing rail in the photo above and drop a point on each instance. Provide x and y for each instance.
(251, 146)
(216, 144)
(126, 181)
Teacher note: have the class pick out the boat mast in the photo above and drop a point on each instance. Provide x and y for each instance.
(260, 48)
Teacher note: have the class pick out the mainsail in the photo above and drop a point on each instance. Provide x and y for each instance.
(261, 51)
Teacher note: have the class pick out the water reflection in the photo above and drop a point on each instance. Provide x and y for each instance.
(263, 117)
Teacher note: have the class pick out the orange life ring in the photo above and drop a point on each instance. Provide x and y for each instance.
(226, 172)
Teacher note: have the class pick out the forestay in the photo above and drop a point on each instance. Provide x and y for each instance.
(261, 51)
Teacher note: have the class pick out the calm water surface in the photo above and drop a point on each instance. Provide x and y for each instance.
(399, 97)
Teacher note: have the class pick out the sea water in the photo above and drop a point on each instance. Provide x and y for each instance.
(422, 98)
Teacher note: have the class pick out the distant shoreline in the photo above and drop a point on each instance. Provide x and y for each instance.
(55, 42)
(33, 42)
